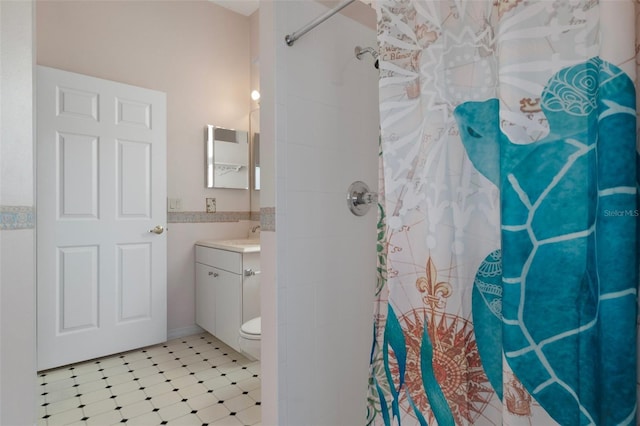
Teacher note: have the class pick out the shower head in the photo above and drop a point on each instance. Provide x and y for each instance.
(359, 51)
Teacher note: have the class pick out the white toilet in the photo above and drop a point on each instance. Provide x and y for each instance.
(249, 338)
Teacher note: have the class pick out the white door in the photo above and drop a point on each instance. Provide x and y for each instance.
(101, 188)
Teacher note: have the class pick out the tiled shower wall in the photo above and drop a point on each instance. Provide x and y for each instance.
(320, 127)
(17, 276)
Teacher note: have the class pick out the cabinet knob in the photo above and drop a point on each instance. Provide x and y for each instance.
(250, 272)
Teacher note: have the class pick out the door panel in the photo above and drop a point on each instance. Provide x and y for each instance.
(78, 285)
(77, 165)
(134, 279)
(101, 186)
(77, 103)
(134, 179)
(133, 113)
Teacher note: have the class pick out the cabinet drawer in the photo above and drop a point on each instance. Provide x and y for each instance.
(222, 259)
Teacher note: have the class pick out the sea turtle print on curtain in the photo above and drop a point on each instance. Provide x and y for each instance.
(507, 290)
(569, 269)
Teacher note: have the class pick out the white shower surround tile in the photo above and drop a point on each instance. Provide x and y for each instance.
(324, 279)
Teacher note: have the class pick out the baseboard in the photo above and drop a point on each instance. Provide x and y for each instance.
(184, 331)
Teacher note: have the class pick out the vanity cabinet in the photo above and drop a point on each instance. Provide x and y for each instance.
(227, 292)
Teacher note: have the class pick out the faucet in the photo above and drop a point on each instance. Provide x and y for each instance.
(254, 229)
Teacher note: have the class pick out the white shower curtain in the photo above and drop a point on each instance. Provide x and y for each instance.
(508, 272)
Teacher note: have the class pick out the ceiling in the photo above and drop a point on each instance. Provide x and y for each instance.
(247, 7)
(243, 7)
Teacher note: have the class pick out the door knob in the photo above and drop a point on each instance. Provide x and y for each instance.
(157, 230)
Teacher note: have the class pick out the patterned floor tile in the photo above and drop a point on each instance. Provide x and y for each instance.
(194, 380)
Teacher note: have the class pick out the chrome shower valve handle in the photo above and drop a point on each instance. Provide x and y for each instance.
(360, 198)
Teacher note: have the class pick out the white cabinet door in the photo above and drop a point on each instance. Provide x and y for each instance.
(251, 287)
(228, 307)
(225, 298)
(101, 187)
(205, 297)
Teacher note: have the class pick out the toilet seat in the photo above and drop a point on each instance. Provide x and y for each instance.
(252, 329)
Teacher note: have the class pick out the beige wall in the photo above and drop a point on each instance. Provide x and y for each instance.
(199, 55)
(195, 51)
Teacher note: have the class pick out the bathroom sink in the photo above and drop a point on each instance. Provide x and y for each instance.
(243, 242)
(242, 245)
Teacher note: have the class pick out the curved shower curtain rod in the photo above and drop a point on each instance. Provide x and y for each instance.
(291, 38)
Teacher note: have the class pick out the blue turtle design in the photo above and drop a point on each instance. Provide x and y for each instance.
(569, 271)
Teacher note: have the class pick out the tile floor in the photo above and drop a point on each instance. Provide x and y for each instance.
(194, 380)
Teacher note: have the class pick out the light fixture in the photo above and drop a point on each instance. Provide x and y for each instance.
(255, 95)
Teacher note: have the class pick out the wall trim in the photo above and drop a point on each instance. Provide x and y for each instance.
(204, 217)
(268, 219)
(17, 217)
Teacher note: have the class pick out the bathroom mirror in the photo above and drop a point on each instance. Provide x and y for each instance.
(254, 124)
(256, 161)
(227, 158)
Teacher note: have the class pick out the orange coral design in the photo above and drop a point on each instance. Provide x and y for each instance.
(517, 399)
(456, 364)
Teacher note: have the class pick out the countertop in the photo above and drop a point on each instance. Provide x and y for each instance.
(239, 245)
